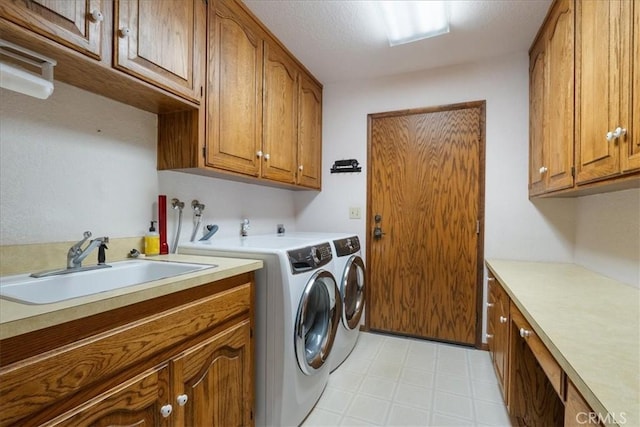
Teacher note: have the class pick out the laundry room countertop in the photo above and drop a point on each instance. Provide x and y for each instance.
(590, 324)
(17, 318)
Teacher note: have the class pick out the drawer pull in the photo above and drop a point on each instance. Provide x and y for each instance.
(182, 399)
(166, 410)
(503, 319)
(525, 333)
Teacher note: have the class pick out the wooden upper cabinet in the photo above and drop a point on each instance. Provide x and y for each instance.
(552, 102)
(280, 115)
(162, 42)
(631, 142)
(309, 133)
(537, 117)
(603, 94)
(76, 24)
(234, 96)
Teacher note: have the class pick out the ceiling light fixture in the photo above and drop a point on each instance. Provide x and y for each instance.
(410, 21)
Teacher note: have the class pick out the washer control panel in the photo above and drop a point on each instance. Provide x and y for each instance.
(309, 258)
(347, 246)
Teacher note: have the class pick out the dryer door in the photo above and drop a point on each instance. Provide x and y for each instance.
(352, 292)
(317, 320)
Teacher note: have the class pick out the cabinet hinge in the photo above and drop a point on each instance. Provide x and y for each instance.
(573, 171)
(251, 333)
(201, 91)
(204, 151)
(478, 226)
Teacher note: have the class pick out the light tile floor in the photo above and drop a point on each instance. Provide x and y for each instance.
(394, 381)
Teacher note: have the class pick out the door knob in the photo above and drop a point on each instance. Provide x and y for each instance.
(377, 233)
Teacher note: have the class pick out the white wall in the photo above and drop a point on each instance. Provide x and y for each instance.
(78, 161)
(608, 235)
(514, 227)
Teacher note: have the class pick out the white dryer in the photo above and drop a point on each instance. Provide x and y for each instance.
(297, 315)
(349, 271)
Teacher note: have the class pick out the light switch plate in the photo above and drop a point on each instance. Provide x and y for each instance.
(355, 212)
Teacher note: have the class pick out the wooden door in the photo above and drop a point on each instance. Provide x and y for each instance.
(137, 402)
(559, 97)
(631, 141)
(426, 185)
(279, 115)
(598, 90)
(234, 97)
(162, 42)
(70, 23)
(216, 377)
(309, 133)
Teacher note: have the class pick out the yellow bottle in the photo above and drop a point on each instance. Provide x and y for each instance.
(152, 241)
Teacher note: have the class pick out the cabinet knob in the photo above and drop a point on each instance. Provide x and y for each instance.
(490, 279)
(525, 333)
(96, 16)
(617, 133)
(543, 169)
(125, 32)
(489, 336)
(267, 156)
(166, 410)
(489, 304)
(503, 319)
(182, 399)
(259, 154)
(300, 167)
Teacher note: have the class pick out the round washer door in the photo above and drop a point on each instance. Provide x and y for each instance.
(317, 320)
(352, 292)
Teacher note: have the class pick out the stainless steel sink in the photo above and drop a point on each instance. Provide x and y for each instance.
(45, 290)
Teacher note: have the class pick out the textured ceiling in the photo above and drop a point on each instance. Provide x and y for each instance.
(340, 40)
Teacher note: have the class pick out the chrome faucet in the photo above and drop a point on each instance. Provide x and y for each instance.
(76, 254)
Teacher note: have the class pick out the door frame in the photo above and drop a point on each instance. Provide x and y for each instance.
(481, 199)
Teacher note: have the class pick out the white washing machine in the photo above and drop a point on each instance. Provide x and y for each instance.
(297, 315)
(349, 270)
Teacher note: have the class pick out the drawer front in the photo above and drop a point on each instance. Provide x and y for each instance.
(30, 385)
(548, 363)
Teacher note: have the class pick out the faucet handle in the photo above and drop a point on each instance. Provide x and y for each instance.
(86, 235)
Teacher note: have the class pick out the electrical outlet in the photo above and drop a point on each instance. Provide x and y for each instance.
(355, 213)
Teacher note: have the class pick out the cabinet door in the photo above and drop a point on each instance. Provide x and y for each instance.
(280, 115)
(234, 97)
(309, 133)
(559, 132)
(67, 22)
(216, 377)
(631, 141)
(501, 337)
(598, 81)
(137, 402)
(161, 42)
(537, 116)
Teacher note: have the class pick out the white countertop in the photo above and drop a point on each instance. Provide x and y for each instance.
(591, 325)
(17, 318)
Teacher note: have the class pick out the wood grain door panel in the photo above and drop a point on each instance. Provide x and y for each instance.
(234, 100)
(537, 118)
(309, 133)
(66, 22)
(280, 119)
(631, 142)
(215, 376)
(425, 183)
(598, 82)
(161, 47)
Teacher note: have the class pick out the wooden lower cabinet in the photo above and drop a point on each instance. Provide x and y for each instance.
(189, 364)
(535, 388)
(498, 332)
